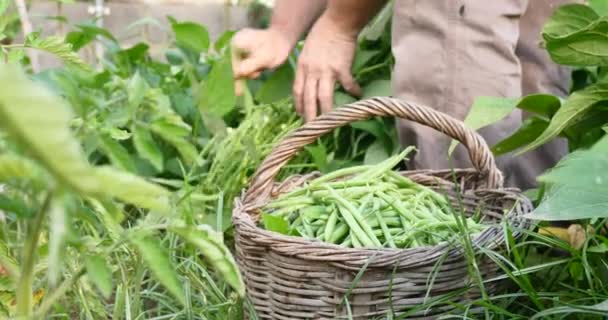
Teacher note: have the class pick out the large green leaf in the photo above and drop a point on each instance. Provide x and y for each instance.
(191, 35)
(377, 88)
(147, 147)
(600, 6)
(58, 47)
(485, 111)
(100, 274)
(278, 86)
(530, 129)
(376, 153)
(176, 134)
(576, 35)
(118, 155)
(210, 243)
(133, 189)
(578, 186)
(570, 112)
(39, 120)
(160, 263)
(216, 96)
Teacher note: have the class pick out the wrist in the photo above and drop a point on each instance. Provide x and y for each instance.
(289, 34)
(339, 25)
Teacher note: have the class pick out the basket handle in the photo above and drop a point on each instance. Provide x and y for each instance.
(479, 153)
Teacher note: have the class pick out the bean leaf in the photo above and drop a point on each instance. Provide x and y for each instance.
(278, 86)
(576, 35)
(530, 129)
(100, 274)
(160, 263)
(573, 109)
(147, 147)
(191, 35)
(217, 95)
(578, 186)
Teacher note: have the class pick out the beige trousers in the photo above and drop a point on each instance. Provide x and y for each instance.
(448, 52)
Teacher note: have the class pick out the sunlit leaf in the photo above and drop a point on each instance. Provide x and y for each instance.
(191, 35)
(217, 95)
(40, 121)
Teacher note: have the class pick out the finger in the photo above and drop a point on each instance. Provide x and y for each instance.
(310, 97)
(298, 89)
(255, 75)
(326, 92)
(238, 87)
(251, 65)
(349, 84)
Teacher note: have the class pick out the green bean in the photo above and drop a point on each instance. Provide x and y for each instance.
(387, 234)
(356, 223)
(331, 225)
(355, 241)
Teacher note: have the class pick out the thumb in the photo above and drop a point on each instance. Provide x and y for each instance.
(349, 84)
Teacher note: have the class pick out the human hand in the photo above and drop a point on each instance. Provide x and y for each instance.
(257, 50)
(327, 57)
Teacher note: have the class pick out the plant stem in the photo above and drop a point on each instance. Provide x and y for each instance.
(50, 300)
(24, 293)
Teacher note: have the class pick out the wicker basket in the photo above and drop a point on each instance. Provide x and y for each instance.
(294, 278)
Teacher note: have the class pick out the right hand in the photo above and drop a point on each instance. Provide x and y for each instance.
(327, 58)
(257, 51)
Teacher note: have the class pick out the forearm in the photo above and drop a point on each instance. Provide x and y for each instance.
(294, 17)
(351, 16)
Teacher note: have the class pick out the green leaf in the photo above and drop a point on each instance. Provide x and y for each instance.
(160, 263)
(119, 134)
(576, 35)
(136, 90)
(175, 135)
(100, 274)
(599, 309)
(191, 35)
(374, 30)
(133, 189)
(530, 129)
(373, 126)
(3, 6)
(341, 98)
(15, 56)
(485, 111)
(318, 152)
(58, 47)
(211, 245)
(217, 95)
(545, 105)
(39, 120)
(578, 186)
(376, 153)
(223, 40)
(362, 57)
(377, 88)
(119, 156)
(571, 111)
(277, 86)
(147, 147)
(17, 167)
(275, 223)
(15, 205)
(599, 6)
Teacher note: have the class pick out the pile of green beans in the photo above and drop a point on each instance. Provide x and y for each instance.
(369, 206)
